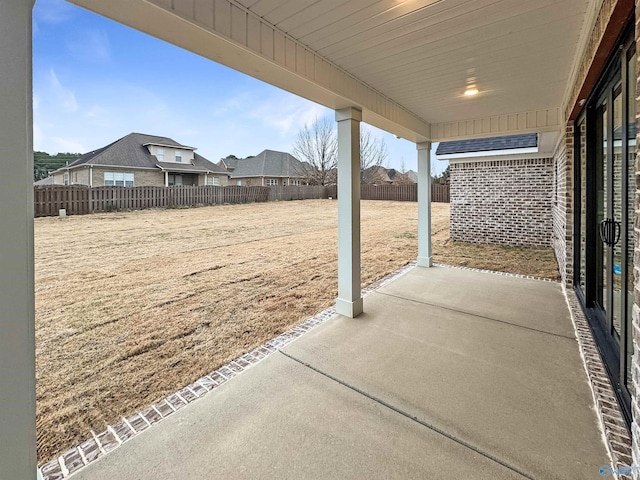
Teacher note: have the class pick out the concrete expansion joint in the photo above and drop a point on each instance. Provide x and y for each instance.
(109, 440)
(412, 417)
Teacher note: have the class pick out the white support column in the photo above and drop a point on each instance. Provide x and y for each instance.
(166, 178)
(17, 318)
(425, 257)
(349, 302)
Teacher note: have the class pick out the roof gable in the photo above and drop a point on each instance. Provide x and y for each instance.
(269, 163)
(131, 151)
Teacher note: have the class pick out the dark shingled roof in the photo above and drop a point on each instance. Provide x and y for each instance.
(269, 163)
(130, 151)
(509, 142)
(231, 163)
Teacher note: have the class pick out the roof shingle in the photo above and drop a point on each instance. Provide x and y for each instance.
(509, 142)
(269, 163)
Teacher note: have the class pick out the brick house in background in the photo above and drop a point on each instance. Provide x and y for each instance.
(139, 160)
(269, 168)
(502, 189)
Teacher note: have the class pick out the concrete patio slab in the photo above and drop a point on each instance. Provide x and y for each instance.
(517, 390)
(420, 386)
(283, 420)
(532, 303)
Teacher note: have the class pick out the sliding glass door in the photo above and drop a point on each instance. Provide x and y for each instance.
(605, 147)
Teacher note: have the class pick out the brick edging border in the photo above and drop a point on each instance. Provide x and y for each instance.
(612, 426)
(99, 444)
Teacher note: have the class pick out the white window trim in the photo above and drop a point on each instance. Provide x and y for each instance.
(110, 179)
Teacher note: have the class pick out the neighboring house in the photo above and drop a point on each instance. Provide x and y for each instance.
(388, 176)
(229, 163)
(501, 189)
(269, 168)
(375, 176)
(138, 160)
(44, 181)
(398, 178)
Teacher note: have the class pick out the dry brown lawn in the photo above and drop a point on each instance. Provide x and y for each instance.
(133, 306)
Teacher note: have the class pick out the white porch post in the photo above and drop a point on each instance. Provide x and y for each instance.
(166, 178)
(17, 318)
(425, 257)
(349, 302)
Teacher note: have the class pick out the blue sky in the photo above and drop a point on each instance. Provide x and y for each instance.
(95, 80)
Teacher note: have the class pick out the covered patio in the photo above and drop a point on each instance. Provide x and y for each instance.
(447, 373)
(450, 373)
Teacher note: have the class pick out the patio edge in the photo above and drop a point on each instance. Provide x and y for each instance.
(611, 424)
(100, 444)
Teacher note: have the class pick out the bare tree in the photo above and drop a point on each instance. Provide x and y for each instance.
(402, 176)
(373, 155)
(316, 146)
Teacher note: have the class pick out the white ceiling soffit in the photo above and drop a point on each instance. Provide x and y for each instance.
(418, 54)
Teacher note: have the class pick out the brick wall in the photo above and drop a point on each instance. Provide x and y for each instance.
(507, 202)
(562, 211)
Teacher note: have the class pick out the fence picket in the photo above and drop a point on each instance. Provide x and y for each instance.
(79, 200)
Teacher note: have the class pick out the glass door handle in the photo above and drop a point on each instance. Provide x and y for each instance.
(616, 233)
(608, 232)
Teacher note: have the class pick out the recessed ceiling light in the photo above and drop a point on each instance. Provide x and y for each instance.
(470, 91)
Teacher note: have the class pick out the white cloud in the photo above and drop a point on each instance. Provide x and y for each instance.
(52, 11)
(38, 138)
(95, 111)
(286, 113)
(91, 46)
(65, 97)
(68, 145)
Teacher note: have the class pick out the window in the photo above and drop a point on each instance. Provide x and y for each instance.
(238, 182)
(297, 183)
(160, 154)
(178, 156)
(118, 179)
(213, 181)
(272, 182)
(65, 179)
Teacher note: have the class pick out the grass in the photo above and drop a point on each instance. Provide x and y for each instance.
(132, 306)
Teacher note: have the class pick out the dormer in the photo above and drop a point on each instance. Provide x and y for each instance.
(165, 153)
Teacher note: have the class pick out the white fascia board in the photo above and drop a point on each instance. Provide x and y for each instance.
(166, 145)
(228, 33)
(127, 167)
(535, 121)
(488, 153)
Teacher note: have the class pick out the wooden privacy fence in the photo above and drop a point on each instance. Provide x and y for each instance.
(403, 193)
(303, 192)
(78, 200)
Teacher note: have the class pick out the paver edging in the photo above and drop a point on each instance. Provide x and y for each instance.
(611, 424)
(100, 444)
